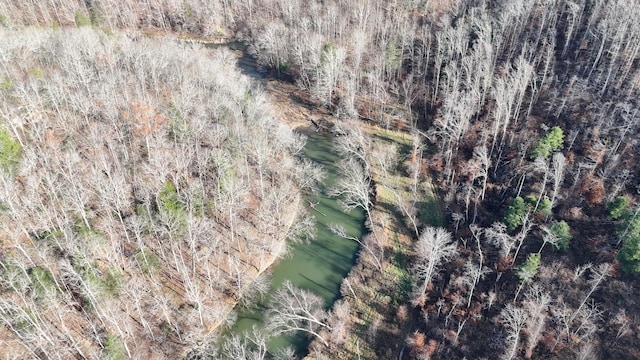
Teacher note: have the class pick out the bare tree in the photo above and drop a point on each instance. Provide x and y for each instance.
(481, 156)
(353, 189)
(308, 175)
(527, 225)
(353, 142)
(514, 320)
(586, 322)
(599, 274)
(586, 351)
(271, 44)
(548, 237)
(557, 175)
(497, 235)
(408, 209)
(434, 248)
(473, 273)
(329, 72)
(340, 324)
(293, 309)
(251, 345)
(536, 303)
(541, 164)
(109, 102)
(416, 160)
(377, 258)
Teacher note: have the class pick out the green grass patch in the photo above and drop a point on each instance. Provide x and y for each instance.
(6, 83)
(87, 232)
(113, 280)
(44, 284)
(9, 152)
(114, 348)
(385, 196)
(36, 72)
(429, 211)
(147, 261)
(49, 236)
(82, 19)
(402, 282)
(403, 140)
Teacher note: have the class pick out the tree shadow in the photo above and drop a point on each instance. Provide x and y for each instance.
(429, 212)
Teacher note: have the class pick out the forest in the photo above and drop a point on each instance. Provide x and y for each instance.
(148, 184)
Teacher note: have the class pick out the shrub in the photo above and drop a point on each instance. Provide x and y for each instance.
(49, 236)
(12, 275)
(82, 19)
(169, 200)
(113, 280)
(95, 17)
(87, 232)
(36, 72)
(545, 206)
(618, 208)
(563, 232)
(530, 201)
(328, 50)
(283, 66)
(393, 55)
(6, 83)
(106, 282)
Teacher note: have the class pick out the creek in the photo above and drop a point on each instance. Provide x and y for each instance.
(321, 264)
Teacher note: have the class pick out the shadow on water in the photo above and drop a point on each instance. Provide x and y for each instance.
(320, 265)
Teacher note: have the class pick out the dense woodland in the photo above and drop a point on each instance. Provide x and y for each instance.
(523, 115)
(140, 192)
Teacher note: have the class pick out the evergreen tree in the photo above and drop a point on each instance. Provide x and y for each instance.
(549, 143)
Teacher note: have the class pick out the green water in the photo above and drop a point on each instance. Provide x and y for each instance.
(318, 266)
